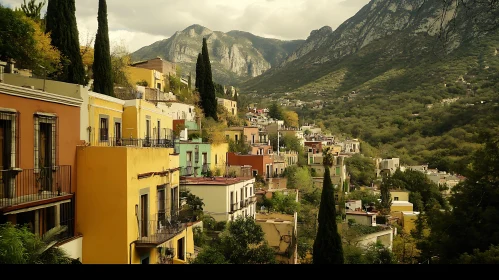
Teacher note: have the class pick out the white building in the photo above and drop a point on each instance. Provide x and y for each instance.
(224, 199)
(178, 110)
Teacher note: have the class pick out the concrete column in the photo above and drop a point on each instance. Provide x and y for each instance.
(57, 215)
(37, 222)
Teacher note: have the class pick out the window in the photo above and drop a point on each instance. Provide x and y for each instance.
(161, 206)
(104, 129)
(45, 141)
(143, 215)
(7, 140)
(205, 158)
(117, 130)
(236, 137)
(255, 173)
(148, 129)
(396, 198)
(216, 159)
(189, 158)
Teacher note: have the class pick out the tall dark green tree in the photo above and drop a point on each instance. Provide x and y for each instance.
(328, 248)
(208, 96)
(189, 83)
(61, 23)
(101, 68)
(386, 200)
(199, 84)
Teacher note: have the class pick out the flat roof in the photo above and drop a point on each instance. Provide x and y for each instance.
(358, 213)
(213, 180)
(401, 203)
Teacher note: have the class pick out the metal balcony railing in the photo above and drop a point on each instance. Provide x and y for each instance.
(133, 142)
(155, 232)
(234, 207)
(19, 186)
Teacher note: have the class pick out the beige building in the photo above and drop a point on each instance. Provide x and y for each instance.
(163, 66)
(225, 199)
(228, 104)
(281, 234)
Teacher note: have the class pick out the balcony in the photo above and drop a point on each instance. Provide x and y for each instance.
(187, 171)
(133, 142)
(252, 199)
(233, 207)
(32, 185)
(155, 232)
(205, 168)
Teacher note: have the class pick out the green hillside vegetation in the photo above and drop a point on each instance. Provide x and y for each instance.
(397, 106)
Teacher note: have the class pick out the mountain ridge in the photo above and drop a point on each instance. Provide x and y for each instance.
(236, 55)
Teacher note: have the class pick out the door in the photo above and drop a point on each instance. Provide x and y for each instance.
(143, 215)
(159, 131)
(45, 156)
(180, 249)
(117, 131)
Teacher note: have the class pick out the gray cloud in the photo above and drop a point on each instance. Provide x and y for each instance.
(140, 23)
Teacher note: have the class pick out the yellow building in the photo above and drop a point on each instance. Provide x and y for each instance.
(218, 159)
(143, 120)
(401, 206)
(228, 104)
(105, 121)
(128, 205)
(153, 78)
(234, 134)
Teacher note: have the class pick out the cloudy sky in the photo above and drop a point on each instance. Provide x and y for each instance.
(138, 23)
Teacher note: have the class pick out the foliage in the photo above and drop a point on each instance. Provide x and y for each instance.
(361, 170)
(23, 40)
(32, 9)
(429, 196)
(240, 146)
(473, 222)
(489, 256)
(386, 200)
(298, 178)
(20, 246)
(204, 84)
(120, 60)
(101, 68)
(405, 249)
(200, 237)
(61, 25)
(193, 201)
(327, 245)
(276, 111)
(242, 242)
(368, 197)
(213, 131)
(286, 204)
(290, 119)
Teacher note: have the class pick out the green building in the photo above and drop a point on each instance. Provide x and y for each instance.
(194, 157)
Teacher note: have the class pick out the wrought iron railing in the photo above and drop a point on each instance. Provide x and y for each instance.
(234, 207)
(186, 171)
(19, 186)
(133, 142)
(155, 232)
(206, 167)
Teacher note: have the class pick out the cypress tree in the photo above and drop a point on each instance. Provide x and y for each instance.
(103, 80)
(209, 100)
(61, 23)
(327, 247)
(199, 84)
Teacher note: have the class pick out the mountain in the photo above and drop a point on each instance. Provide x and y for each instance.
(236, 56)
(398, 23)
(396, 76)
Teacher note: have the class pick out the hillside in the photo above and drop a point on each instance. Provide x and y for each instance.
(236, 56)
(398, 87)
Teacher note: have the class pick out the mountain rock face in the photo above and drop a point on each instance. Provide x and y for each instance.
(403, 21)
(236, 56)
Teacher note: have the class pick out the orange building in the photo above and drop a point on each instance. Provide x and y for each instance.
(39, 132)
(260, 164)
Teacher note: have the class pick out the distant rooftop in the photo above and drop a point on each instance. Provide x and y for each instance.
(360, 213)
